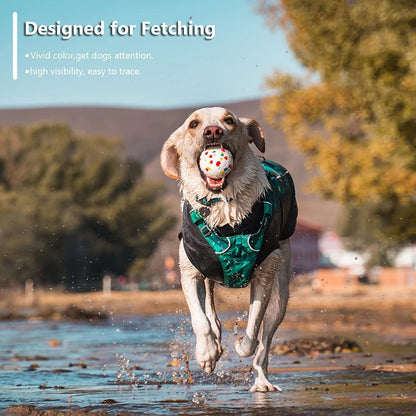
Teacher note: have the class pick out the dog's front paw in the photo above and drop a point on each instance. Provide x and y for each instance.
(264, 385)
(207, 353)
(245, 346)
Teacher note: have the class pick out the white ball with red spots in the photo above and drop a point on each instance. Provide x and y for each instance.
(216, 162)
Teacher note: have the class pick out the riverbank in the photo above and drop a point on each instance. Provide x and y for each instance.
(378, 309)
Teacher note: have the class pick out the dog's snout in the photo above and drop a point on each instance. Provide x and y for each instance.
(213, 132)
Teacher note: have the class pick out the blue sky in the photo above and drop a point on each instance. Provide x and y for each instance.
(184, 71)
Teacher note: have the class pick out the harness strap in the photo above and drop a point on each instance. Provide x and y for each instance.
(209, 202)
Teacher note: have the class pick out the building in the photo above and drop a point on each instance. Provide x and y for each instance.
(305, 247)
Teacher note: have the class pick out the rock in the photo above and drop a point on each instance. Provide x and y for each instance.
(317, 345)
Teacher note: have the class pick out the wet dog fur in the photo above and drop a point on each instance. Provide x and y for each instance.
(245, 184)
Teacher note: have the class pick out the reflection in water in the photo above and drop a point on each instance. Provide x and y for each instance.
(146, 365)
(263, 400)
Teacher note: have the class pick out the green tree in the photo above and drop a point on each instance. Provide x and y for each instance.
(357, 122)
(73, 208)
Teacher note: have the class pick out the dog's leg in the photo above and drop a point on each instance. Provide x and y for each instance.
(193, 286)
(261, 287)
(272, 318)
(211, 312)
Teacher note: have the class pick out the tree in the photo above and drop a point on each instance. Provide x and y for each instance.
(357, 122)
(73, 208)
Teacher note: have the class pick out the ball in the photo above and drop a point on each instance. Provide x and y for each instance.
(216, 162)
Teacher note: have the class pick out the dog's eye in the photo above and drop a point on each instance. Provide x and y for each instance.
(193, 124)
(229, 121)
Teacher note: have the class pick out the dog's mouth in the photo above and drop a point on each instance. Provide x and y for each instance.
(215, 182)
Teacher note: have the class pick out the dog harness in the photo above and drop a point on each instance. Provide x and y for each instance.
(229, 255)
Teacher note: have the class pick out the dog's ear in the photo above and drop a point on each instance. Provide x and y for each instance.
(255, 132)
(169, 157)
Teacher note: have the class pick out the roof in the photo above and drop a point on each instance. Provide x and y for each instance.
(305, 226)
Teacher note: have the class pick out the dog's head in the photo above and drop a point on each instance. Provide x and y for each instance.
(205, 128)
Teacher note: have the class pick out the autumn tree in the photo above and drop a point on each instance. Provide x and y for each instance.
(355, 118)
(73, 208)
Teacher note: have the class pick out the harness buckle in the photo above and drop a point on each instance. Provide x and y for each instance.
(205, 230)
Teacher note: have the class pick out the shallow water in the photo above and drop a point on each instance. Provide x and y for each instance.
(123, 365)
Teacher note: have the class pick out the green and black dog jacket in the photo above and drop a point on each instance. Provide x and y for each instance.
(229, 255)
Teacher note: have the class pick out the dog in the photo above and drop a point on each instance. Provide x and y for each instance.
(214, 210)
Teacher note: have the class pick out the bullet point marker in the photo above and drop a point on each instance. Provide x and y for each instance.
(27, 71)
(27, 55)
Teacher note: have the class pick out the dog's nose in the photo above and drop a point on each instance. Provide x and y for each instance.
(213, 133)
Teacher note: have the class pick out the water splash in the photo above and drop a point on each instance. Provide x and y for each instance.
(180, 350)
(125, 373)
(199, 398)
